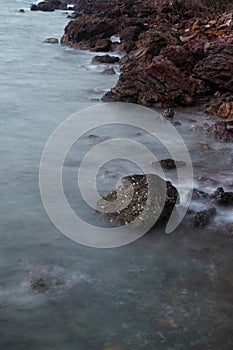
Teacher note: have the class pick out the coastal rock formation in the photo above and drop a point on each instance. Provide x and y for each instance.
(51, 41)
(139, 203)
(223, 131)
(174, 55)
(106, 59)
(49, 6)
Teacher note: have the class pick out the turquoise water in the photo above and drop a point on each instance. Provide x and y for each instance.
(162, 292)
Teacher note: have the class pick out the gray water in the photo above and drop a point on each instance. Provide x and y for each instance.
(160, 292)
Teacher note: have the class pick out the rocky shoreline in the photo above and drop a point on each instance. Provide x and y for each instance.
(169, 57)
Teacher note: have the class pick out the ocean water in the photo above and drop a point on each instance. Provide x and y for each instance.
(162, 292)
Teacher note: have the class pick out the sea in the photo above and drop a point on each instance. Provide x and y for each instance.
(160, 292)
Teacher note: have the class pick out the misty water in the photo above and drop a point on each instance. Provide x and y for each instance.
(164, 291)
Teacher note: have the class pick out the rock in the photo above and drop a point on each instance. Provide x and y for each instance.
(106, 59)
(158, 84)
(49, 6)
(217, 71)
(103, 45)
(85, 32)
(108, 71)
(141, 208)
(203, 217)
(169, 113)
(221, 106)
(223, 198)
(223, 131)
(169, 164)
(199, 195)
(21, 11)
(51, 41)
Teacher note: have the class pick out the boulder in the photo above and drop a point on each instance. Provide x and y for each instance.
(141, 207)
(49, 6)
(203, 217)
(223, 198)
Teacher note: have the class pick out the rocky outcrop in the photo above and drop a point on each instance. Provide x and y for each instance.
(221, 105)
(143, 206)
(171, 58)
(107, 59)
(223, 131)
(49, 6)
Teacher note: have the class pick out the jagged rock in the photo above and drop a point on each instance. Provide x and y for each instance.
(223, 198)
(85, 32)
(199, 195)
(141, 207)
(159, 84)
(217, 71)
(222, 106)
(203, 217)
(223, 131)
(106, 59)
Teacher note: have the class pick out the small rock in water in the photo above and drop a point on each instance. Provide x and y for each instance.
(21, 11)
(203, 217)
(105, 59)
(169, 113)
(223, 198)
(109, 71)
(197, 195)
(169, 163)
(223, 131)
(51, 41)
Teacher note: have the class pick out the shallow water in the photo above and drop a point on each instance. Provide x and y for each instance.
(160, 292)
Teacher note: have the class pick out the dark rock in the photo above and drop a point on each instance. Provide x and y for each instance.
(102, 45)
(223, 131)
(203, 217)
(85, 32)
(222, 106)
(158, 84)
(223, 198)
(21, 11)
(106, 59)
(217, 71)
(109, 71)
(51, 41)
(49, 6)
(199, 195)
(169, 163)
(169, 113)
(142, 208)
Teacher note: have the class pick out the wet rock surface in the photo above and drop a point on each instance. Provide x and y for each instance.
(51, 41)
(223, 131)
(169, 163)
(203, 217)
(223, 198)
(106, 59)
(139, 203)
(171, 56)
(49, 5)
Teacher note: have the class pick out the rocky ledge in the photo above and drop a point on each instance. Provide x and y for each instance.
(174, 54)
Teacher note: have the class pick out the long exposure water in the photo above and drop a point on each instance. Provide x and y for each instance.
(162, 292)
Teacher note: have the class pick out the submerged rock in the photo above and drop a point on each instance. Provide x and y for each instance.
(169, 163)
(108, 71)
(106, 59)
(21, 11)
(203, 217)
(136, 204)
(50, 41)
